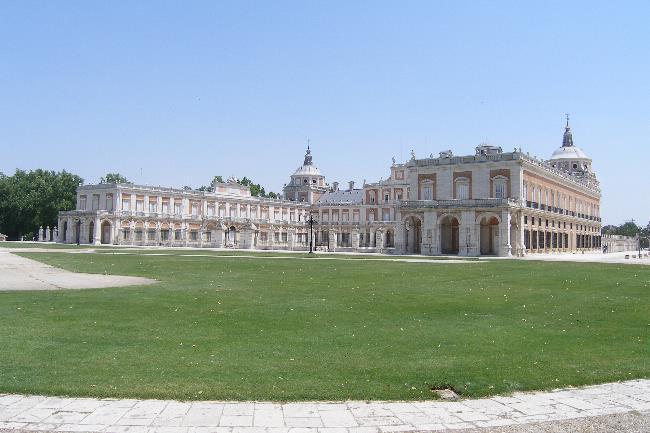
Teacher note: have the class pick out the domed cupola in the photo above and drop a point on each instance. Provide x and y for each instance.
(570, 157)
(307, 183)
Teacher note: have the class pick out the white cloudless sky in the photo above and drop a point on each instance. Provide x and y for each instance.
(173, 93)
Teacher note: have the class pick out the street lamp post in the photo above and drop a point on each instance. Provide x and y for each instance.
(311, 222)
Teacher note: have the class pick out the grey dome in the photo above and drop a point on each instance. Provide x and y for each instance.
(572, 152)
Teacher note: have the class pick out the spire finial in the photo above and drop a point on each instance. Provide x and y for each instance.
(567, 140)
(308, 154)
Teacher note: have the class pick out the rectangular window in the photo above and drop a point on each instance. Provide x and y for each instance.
(500, 190)
(139, 205)
(165, 207)
(153, 207)
(125, 234)
(177, 235)
(427, 193)
(164, 235)
(138, 234)
(151, 235)
(462, 191)
(178, 209)
(195, 209)
(109, 202)
(95, 203)
(126, 205)
(82, 202)
(194, 235)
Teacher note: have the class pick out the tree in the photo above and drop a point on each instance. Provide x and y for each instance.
(256, 189)
(32, 199)
(113, 178)
(216, 180)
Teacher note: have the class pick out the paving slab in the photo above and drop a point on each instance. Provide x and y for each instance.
(569, 409)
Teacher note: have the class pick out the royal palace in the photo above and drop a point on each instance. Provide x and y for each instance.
(490, 203)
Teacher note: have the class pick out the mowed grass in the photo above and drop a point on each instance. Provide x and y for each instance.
(276, 329)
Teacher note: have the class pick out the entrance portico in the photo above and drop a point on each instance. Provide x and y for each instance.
(456, 227)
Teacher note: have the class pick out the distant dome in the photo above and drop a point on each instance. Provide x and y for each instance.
(568, 149)
(309, 170)
(573, 152)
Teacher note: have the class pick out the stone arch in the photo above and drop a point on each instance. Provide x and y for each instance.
(488, 234)
(106, 232)
(390, 238)
(413, 233)
(231, 236)
(449, 234)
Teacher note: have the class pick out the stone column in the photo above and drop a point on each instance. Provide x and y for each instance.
(468, 239)
(505, 248)
(430, 244)
(41, 236)
(271, 238)
(332, 240)
(98, 231)
(355, 239)
(400, 246)
(521, 245)
(158, 231)
(116, 239)
(291, 235)
(379, 240)
(246, 238)
(47, 234)
(145, 233)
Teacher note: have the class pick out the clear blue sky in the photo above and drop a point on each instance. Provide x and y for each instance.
(188, 90)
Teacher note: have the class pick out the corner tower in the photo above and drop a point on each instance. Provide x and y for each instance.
(307, 184)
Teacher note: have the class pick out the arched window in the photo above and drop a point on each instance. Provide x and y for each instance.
(462, 188)
(426, 190)
(499, 186)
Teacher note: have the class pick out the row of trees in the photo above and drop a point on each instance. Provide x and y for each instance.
(33, 199)
(29, 199)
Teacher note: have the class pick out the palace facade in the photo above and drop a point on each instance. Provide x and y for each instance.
(490, 203)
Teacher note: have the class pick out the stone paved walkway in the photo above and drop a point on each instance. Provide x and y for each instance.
(18, 412)
(19, 273)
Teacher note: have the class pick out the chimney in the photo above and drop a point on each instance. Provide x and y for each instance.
(335, 186)
(351, 185)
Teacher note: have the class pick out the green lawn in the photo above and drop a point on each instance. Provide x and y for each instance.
(269, 329)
